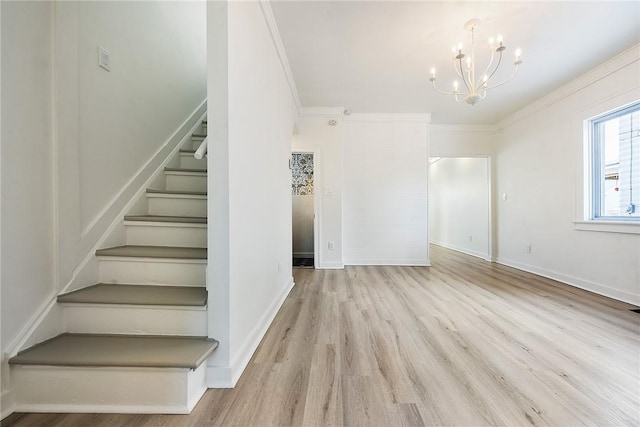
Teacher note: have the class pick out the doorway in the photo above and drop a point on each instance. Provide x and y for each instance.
(460, 215)
(303, 209)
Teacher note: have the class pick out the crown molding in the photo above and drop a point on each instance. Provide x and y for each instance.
(387, 118)
(267, 12)
(321, 111)
(616, 63)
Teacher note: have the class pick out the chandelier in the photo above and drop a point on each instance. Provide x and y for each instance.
(475, 86)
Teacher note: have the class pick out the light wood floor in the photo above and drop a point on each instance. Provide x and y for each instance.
(465, 342)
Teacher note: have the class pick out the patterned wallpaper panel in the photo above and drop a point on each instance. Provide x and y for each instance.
(302, 174)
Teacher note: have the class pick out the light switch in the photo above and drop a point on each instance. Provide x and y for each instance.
(103, 58)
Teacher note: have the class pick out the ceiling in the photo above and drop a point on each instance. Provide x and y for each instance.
(375, 56)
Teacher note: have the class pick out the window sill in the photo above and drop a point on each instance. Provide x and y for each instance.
(626, 227)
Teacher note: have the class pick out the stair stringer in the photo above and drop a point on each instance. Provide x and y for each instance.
(48, 321)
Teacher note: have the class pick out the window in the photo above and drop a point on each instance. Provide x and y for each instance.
(615, 169)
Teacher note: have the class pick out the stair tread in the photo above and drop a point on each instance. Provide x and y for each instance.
(163, 218)
(107, 293)
(189, 193)
(198, 135)
(118, 351)
(185, 170)
(154, 252)
(185, 150)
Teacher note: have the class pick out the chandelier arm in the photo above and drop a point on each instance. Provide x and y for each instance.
(463, 79)
(508, 80)
(433, 82)
(458, 72)
(495, 69)
(489, 66)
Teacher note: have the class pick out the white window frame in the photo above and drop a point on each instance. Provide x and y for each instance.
(595, 145)
(585, 199)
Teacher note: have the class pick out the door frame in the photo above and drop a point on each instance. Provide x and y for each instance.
(490, 255)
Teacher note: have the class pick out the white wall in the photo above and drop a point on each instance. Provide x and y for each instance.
(315, 133)
(259, 115)
(459, 205)
(462, 140)
(540, 168)
(26, 165)
(385, 191)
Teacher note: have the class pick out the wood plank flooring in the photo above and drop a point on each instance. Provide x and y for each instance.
(464, 342)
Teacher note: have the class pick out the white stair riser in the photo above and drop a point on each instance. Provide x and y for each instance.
(134, 319)
(162, 235)
(176, 181)
(152, 271)
(177, 206)
(108, 390)
(187, 161)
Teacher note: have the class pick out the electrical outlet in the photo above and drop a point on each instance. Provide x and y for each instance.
(470, 238)
(631, 209)
(331, 245)
(528, 249)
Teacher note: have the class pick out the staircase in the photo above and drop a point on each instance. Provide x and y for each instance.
(137, 341)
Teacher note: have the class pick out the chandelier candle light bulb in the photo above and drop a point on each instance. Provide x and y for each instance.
(475, 89)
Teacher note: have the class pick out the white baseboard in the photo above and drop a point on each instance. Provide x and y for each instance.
(220, 377)
(7, 406)
(44, 324)
(587, 285)
(228, 376)
(331, 266)
(408, 262)
(467, 251)
(104, 409)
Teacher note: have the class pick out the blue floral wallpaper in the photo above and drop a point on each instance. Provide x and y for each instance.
(302, 174)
